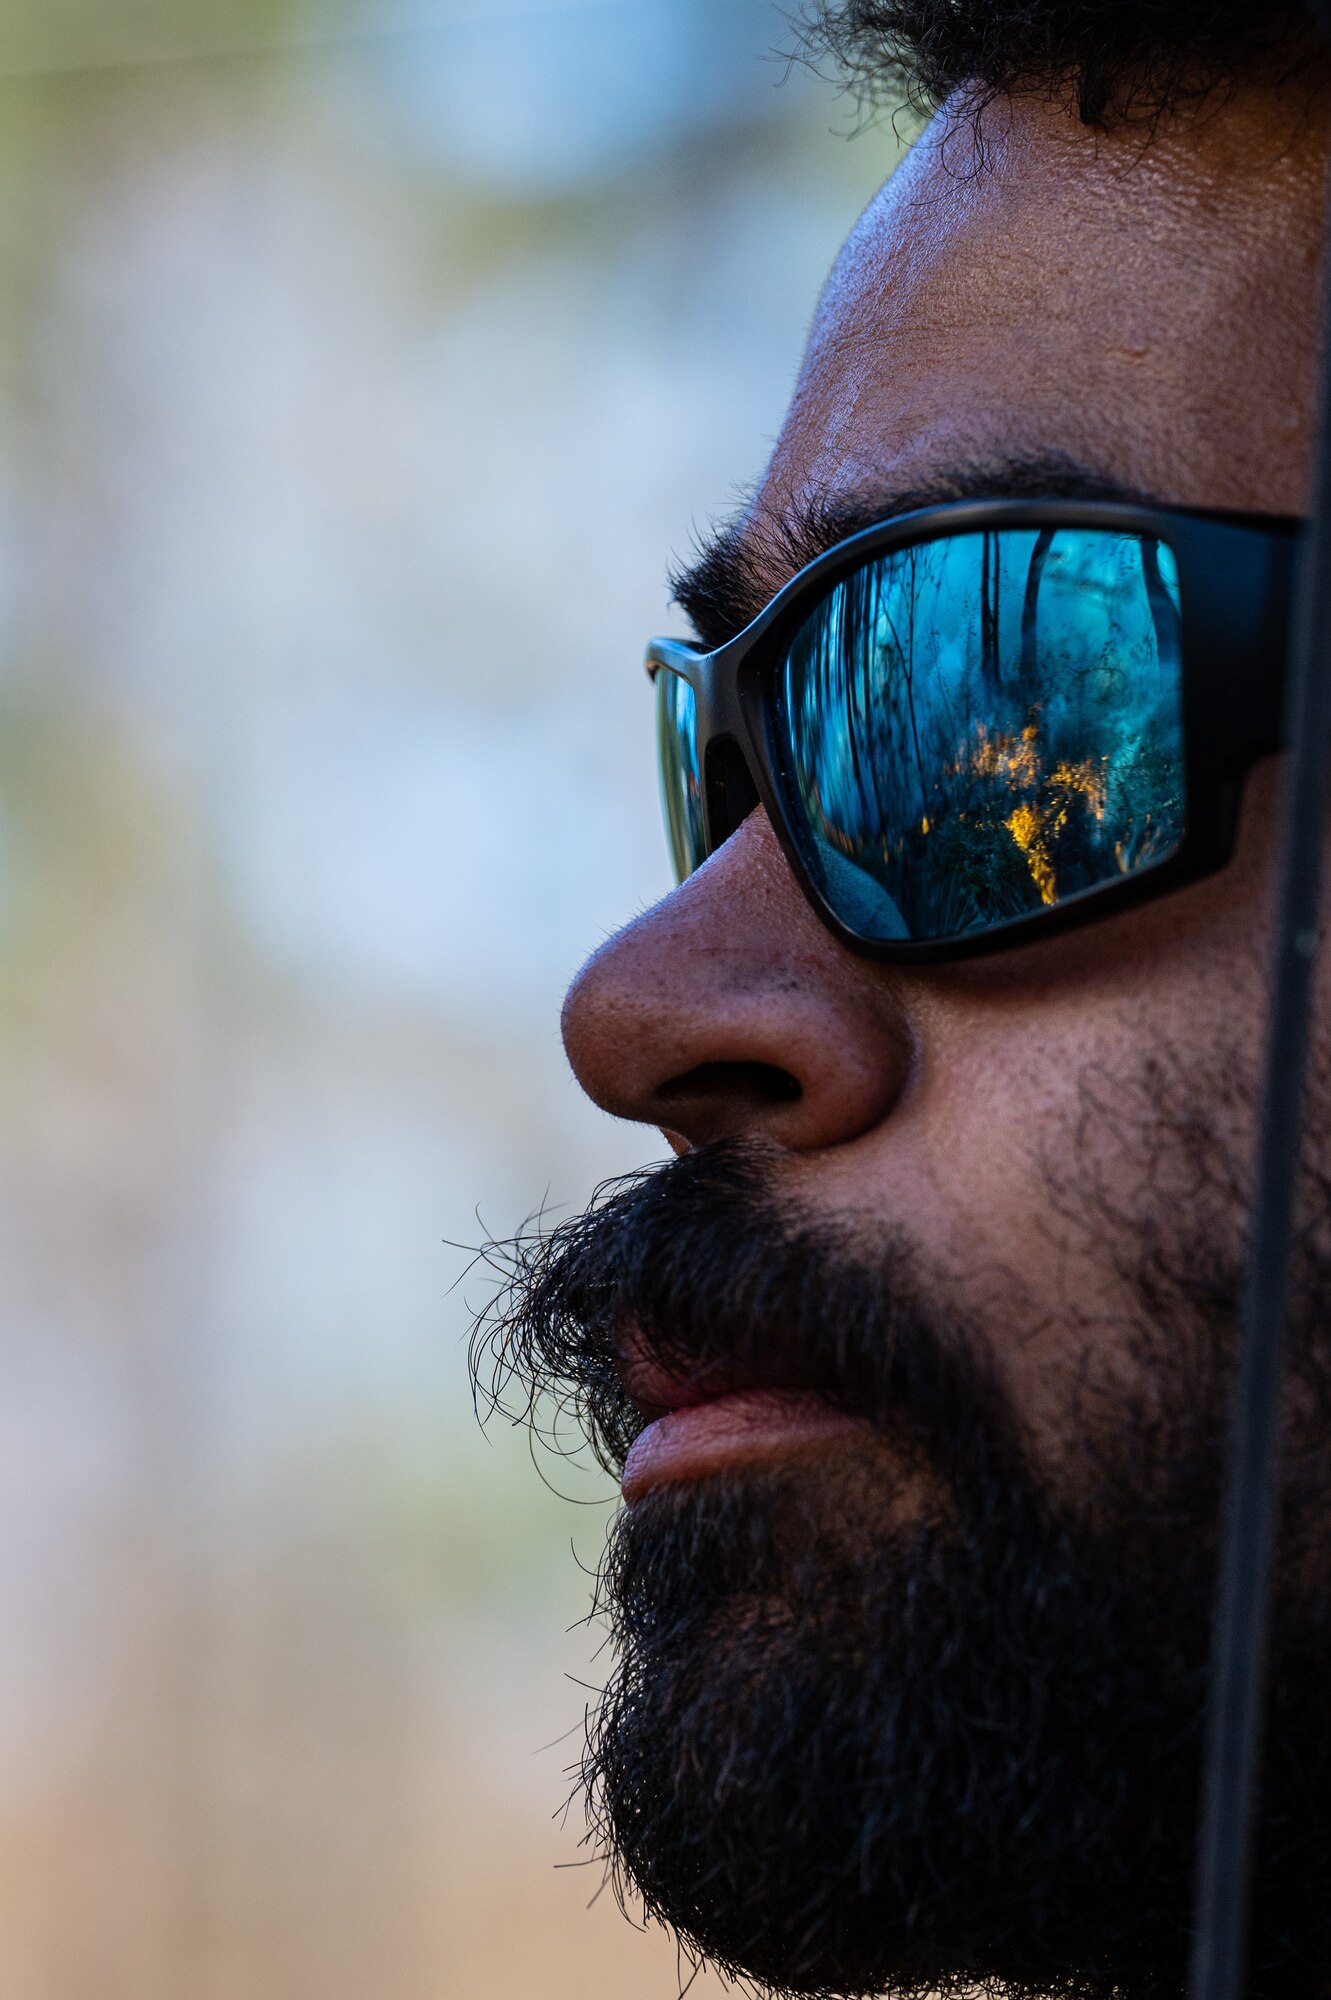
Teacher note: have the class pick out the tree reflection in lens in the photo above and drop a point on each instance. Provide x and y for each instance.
(984, 725)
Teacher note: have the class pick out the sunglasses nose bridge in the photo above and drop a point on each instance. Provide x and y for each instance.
(730, 793)
(730, 784)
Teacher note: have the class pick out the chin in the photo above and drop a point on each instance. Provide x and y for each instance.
(855, 1748)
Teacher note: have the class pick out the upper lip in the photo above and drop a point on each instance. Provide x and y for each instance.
(657, 1388)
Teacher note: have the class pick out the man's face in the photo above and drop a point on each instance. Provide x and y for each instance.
(910, 1686)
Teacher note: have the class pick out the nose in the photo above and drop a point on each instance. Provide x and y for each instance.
(728, 1011)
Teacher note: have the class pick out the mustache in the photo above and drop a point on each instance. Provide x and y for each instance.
(710, 1274)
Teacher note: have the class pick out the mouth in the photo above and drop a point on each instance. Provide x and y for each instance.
(743, 1427)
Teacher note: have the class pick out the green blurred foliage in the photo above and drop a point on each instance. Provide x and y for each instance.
(64, 35)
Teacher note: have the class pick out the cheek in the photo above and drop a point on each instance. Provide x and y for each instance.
(1049, 1137)
(1086, 1065)
(1072, 1103)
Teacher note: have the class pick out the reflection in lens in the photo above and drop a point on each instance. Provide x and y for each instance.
(681, 780)
(982, 726)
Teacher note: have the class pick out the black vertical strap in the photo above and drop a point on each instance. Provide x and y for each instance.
(1238, 1671)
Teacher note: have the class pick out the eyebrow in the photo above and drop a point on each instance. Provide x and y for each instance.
(739, 566)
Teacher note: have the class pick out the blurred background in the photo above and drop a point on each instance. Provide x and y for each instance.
(362, 363)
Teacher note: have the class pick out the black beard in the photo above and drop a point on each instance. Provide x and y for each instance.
(908, 1719)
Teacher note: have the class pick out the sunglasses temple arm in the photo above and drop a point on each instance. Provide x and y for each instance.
(1232, 1772)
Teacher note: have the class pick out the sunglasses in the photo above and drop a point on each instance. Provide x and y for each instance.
(982, 722)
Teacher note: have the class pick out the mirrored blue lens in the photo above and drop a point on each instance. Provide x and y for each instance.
(681, 779)
(983, 726)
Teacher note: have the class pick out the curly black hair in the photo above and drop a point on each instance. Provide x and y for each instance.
(1120, 58)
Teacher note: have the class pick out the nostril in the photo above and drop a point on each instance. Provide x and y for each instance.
(752, 1084)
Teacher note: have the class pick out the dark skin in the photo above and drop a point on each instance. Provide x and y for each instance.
(1146, 308)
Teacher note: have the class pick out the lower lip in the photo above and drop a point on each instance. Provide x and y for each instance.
(729, 1432)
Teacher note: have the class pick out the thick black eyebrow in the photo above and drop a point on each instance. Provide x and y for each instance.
(739, 566)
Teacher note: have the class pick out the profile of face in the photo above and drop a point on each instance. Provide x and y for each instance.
(915, 1359)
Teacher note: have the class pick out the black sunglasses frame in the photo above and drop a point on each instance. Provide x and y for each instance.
(1236, 576)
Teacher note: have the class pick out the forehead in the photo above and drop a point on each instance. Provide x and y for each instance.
(1143, 304)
